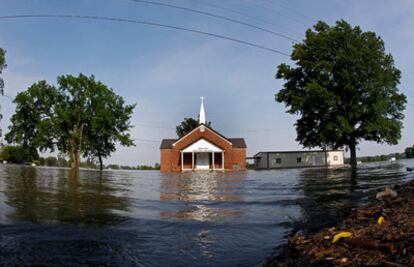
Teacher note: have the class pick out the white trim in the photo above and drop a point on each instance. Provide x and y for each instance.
(185, 136)
(202, 145)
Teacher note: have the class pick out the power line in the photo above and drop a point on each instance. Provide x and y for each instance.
(246, 15)
(290, 10)
(146, 140)
(153, 126)
(268, 5)
(87, 17)
(216, 16)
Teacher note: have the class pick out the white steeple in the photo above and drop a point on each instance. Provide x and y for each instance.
(202, 115)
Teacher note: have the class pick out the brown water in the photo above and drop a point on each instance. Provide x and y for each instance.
(145, 218)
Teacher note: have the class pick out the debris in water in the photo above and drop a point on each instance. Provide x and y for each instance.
(373, 242)
(341, 235)
(388, 192)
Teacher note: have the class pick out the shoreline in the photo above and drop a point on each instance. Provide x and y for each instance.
(380, 233)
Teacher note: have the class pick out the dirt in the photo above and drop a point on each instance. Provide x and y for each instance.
(367, 240)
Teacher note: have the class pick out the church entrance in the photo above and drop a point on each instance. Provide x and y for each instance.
(202, 161)
(202, 155)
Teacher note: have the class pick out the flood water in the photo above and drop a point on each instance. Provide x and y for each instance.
(144, 218)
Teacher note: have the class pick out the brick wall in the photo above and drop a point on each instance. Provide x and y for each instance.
(171, 158)
(239, 158)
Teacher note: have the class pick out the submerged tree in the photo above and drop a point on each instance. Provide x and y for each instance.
(187, 125)
(343, 87)
(108, 123)
(80, 116)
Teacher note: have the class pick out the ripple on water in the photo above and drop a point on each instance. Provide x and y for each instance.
(145, 218)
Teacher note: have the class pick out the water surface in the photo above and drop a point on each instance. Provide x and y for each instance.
(145, 218)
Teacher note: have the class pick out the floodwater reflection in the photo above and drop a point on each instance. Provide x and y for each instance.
(53, 217)
(202, 193)
(328, 193)
(40, 194)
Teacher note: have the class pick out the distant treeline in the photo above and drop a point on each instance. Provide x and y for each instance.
(20, 155)
(407, 154)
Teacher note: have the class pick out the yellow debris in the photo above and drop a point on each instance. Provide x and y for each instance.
(381, 220)
(341, 235)
(327, 237)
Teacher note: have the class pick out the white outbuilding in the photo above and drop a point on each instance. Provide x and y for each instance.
(298, 159)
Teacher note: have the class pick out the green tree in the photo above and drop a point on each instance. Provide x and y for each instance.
(187, 125)
(18, 154)
(2, 67)
(344, 89)
(51, 161)
(409, 152)
(67, 117)
(109, 123)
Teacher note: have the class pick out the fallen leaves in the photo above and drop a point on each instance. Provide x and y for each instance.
(341, 235)
(381, 234)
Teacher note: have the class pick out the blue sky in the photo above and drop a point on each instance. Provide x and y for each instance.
(165, 71)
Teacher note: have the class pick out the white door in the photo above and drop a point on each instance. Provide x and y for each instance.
(203, 161)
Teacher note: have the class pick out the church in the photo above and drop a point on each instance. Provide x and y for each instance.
(203, 149)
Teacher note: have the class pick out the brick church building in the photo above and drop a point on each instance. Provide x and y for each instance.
(203, 149)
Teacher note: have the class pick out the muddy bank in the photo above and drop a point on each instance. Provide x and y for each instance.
(379, 234)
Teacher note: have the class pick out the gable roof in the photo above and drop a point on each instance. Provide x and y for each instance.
(167, 143)
(207, 127)
(236, 142)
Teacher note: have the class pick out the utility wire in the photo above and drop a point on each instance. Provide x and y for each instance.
(156, 24)
(216, 16)
(290, 10)
(246, 15)
(146, 140)
(267, 5)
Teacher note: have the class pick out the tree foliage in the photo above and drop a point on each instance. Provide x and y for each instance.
(79, 116)
(18, 154)
(409, 152)
(2, 67)
(187, 125)
(344, 89)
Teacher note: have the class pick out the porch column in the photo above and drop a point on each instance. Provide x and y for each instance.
(192, 160)
(212, 156)
(182, 161)
(222, 160)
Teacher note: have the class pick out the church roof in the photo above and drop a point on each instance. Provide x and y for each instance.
(237, 143)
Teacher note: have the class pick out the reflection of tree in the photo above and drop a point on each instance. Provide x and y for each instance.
(330, 193)
(196, 189)
(62, 195)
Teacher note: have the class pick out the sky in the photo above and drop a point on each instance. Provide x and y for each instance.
(166, 71)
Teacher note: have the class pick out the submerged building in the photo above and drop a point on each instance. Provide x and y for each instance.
(298, 159)
(203, 149)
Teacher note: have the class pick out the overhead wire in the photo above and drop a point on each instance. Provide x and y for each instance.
(143, 22)
(246, 15)
(291, 10)
(266, 5)
(216, 16)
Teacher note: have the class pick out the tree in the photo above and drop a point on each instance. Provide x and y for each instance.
(409, 152)
(343, 87)
(187, 125)
(2, 67)
(68, 117)
(108, 123)
(18, 154)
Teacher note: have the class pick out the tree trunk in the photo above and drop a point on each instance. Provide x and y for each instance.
(76, 148)
(352, 149)
(100, 161)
